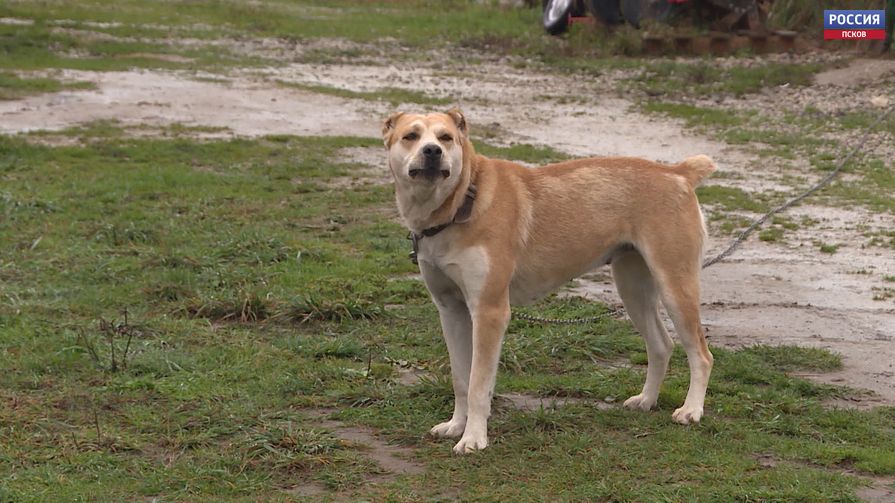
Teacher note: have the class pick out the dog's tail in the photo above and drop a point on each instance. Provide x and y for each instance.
(695, 168)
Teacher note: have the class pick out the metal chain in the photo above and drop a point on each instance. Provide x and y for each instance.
(814, 188)
(615, 313)
(743, 235)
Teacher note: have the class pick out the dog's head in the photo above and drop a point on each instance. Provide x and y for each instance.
(426, 150)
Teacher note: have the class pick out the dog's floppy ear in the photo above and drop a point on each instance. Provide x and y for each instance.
(459, 120)
(388, 127)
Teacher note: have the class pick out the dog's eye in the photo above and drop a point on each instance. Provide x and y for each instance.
(446, 138)
(411, 136)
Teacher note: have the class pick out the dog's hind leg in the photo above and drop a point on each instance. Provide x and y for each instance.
(676, 271)
(640, 296)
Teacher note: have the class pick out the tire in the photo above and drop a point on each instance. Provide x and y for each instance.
(556, 16)
(608, 11)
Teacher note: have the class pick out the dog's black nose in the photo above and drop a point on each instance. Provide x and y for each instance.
(432, 151)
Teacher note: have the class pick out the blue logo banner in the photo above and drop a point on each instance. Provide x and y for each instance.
(854, 19)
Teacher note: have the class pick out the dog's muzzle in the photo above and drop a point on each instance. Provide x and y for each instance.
(431, 164)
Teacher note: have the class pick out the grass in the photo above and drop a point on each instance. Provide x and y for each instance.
(694, 116)
(13, 87)
(407, 29)
(751, 129)
(829, 248)
(173, 312)
(778, 227)
(531, 154)
(730, 198)
(254, 298)
(42, 47)
(883, 294)
(791, 138)
(702, 77)
(771, 235)
(394, 96)
(874, 188)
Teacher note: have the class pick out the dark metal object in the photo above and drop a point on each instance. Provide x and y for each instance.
(736, 11)
(607, 11)
(636, 11)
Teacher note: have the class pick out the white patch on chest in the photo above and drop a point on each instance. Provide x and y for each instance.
(466, 267)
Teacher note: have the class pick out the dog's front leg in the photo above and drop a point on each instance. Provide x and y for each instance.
(489, 321)
(457, 327)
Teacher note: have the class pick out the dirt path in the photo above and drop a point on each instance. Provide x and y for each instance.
(244, 107)
(772, 293)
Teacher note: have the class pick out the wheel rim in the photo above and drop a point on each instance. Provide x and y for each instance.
(556, 10)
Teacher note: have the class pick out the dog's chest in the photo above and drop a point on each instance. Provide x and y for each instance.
(527, 287)
(466, 268)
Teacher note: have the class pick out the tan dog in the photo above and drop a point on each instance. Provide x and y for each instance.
(490, 233)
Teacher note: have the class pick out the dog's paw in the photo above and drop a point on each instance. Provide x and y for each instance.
(449, 429)
(471, 443)
(687, 415)
(641, 402)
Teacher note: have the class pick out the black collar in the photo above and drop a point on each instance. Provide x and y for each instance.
(462, 215)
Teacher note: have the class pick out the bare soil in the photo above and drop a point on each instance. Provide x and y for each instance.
(785, 292)
(393, 460)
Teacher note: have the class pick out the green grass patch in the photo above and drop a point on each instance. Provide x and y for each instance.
(133, 28)
(829, 248)
(865, 120)
(13, 87)
(730, 198)
(771, 235)
(729, 224)
(40, 47)
(392, 95)
(779, 226)
(256, 289)
(532, 154)
(789, 358)
(702, 77)
(695, 116)
(795, 137)
(874, 189)
(253, 292)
